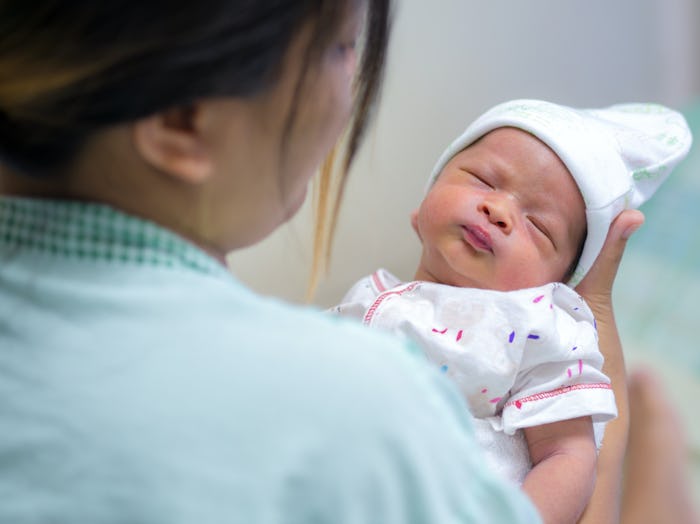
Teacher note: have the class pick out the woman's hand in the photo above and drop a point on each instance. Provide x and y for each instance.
(596, 288)
(597, 285)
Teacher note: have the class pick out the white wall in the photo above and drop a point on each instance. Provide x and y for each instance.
(449, 61)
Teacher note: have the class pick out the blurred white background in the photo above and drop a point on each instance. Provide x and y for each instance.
(449, 61)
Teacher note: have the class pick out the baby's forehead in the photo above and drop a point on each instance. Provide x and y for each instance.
(534, 170)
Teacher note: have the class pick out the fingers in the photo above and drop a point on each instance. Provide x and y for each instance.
(600, 278)
(621, 230)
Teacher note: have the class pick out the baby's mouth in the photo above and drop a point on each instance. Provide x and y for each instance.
(478, 238)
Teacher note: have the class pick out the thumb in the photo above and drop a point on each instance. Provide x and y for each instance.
(600, 278)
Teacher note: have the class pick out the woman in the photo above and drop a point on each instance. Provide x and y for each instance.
(139, 381)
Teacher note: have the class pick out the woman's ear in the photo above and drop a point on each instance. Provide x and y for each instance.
(172, 142)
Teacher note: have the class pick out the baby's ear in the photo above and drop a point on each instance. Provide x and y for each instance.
(414, 223)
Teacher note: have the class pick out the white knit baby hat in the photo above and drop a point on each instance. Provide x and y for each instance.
(618, 156)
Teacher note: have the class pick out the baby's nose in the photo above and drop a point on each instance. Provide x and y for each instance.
(498, 213)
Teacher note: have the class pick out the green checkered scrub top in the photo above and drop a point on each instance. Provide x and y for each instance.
(96, 233)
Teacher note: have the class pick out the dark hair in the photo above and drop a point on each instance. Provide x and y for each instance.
(71, 67)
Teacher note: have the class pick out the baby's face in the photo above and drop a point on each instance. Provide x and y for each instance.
(504, 214)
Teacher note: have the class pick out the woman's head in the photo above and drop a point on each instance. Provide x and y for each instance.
(70, 70)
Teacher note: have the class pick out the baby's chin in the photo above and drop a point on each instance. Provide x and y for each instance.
(447, 273)
(513, 283)
(513, 280)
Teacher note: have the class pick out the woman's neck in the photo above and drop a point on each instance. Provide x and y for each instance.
(106, 173)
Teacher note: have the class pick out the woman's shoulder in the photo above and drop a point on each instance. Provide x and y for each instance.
(315, 336)
(237, 308)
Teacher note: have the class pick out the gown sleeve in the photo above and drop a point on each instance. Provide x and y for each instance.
(560, 375)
